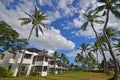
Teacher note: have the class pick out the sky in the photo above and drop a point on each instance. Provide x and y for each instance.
(65, 19)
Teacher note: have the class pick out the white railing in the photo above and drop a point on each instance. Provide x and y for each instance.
(12, 60)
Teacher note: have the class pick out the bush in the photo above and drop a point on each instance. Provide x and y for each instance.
(5, 73)
(34, 74)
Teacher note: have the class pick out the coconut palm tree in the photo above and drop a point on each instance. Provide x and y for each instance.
(91, 18)
(37, 23)
(113, 6)
(84, 48)
(55, 55)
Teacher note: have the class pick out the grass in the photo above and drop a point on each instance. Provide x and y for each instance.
(66, 76)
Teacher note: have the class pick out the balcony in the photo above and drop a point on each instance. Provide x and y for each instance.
(12, 61)
(25, 61)
(41, 63)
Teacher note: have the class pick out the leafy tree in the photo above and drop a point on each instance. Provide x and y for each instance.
(37, 23)
(110, 6)
(9, 38)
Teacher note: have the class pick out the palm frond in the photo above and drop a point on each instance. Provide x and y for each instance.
(27, 14)
(44, 25)
(26, 22)
(99, 21)
(116, 13)
(104, 13)
(84, 26)
(99, 9)
(41, 30)
(24, 19)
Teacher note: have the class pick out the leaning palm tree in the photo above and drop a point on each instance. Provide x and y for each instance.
(113, 6)
(91, 18)
(37, 23)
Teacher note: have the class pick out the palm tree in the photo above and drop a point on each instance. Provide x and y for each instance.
(84, 48)
(37, 23)
(113, 6)
(55, 55)
(91, 18)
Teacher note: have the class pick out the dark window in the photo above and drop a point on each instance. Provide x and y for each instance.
(45, 68)
(27, 56)
(40, 58)
(1, 56)
(9, 67)
(23, 68)
(38, 68)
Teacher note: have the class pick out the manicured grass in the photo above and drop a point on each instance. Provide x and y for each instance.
(66, 76)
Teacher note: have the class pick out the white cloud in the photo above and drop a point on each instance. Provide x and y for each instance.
(52, 38)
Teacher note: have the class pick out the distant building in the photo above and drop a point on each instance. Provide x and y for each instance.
(34, 61)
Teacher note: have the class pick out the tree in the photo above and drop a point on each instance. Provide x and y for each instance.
(113, 6)
(9, 38)
(55, 55)
(91, 18)
(37, 23)
(84, 48)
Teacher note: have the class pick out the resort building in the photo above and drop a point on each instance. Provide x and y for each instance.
(34, 61)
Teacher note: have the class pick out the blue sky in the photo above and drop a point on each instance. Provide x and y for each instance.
(65, 20)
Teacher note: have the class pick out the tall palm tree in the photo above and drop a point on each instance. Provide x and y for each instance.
(84, 48)
(91, 18)
(113, 6)
(37, 23)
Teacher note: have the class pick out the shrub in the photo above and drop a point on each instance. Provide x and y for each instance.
(5, 73)
(34, 74)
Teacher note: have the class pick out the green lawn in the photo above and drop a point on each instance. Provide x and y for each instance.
(66, 76)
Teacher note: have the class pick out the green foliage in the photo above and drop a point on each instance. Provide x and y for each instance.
(9, 38)
(5, 73)
(6, 31)
(34, 74)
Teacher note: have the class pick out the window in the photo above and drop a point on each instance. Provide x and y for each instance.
(45, 68)
(39, 58)
(38, 68)
(27, 56)
(1, 56)
(9, 67)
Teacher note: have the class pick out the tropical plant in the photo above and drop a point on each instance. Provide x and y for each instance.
(37, 23)
(113, 6)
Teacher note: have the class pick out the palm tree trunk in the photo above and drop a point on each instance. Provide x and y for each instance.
(100, 44)
(110, 48)
(20, 65)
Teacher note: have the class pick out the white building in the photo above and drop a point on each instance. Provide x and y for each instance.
(34, 61)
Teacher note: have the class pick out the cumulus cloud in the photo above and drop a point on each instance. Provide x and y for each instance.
(51, 40)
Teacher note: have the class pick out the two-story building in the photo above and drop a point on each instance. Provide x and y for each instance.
(34, 61)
